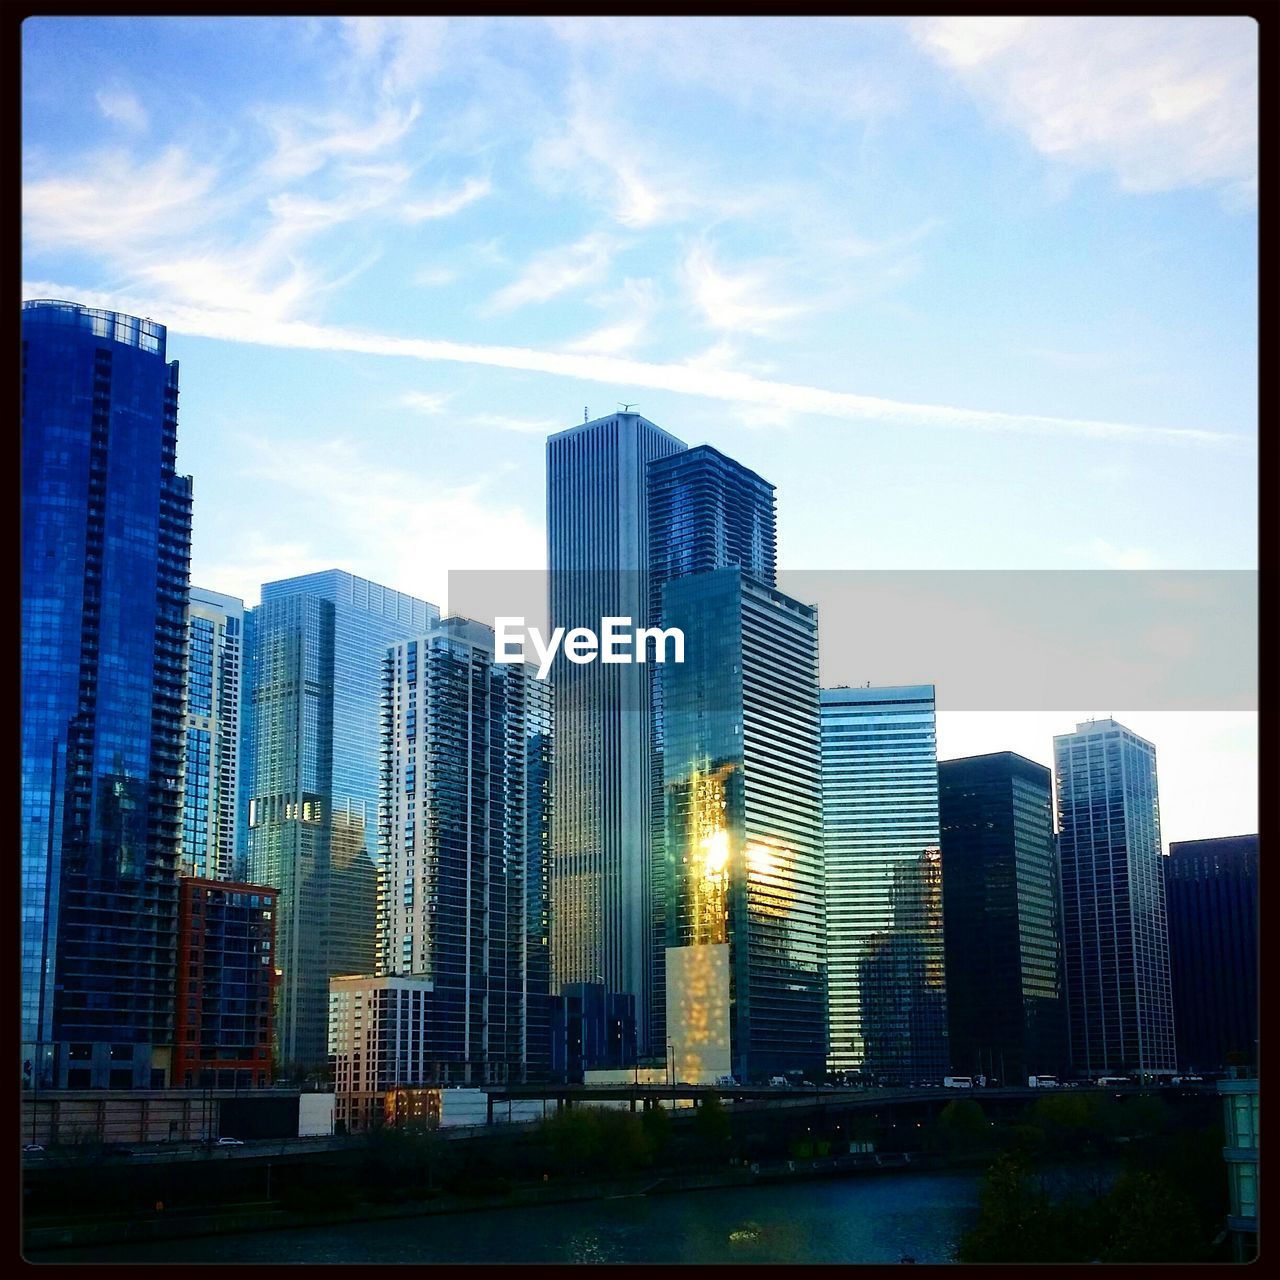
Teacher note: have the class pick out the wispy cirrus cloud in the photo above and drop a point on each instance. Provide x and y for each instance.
(556, 271)
(741, 302)
(635, 304)
(1163, 104)
(446, 203)
(122, 106)
(695, 378)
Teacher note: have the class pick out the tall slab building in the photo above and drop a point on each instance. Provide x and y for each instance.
(211, 818)
(1211, 889)
(1006, 1009)
(598, 559)
(319, 642)
(463, 890)
(746, 979)
(706, 511)
(106, 541)
(886, 967)
(1114, 928)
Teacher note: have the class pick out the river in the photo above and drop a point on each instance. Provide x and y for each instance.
(867, 1219)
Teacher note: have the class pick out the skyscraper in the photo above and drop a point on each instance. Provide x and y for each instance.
(706, 511)
(106, 541)
(211, 736)
(744, 880)
(1114, 931)
(598, 557)
(885, 949)
(1005, 1003)
(318, 651)
(1211, 888)
(462, 885)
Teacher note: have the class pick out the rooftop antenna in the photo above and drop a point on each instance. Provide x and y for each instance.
(626, 408)
(584, 413)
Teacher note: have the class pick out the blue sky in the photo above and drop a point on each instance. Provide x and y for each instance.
(972, 293)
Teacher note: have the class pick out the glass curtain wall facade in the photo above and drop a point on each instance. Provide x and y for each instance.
(211, 736)
(598, 556)
(1114, 929)
(1005, 1005)
(743, 813)
(706, 512)
(106, 543)
(465, 841)
(315, 705)
(1211, 888)
(885, 946)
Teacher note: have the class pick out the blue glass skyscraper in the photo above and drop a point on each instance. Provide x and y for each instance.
(106, 542)
(319, 642)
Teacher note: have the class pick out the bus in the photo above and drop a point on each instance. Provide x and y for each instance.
(957, 1082)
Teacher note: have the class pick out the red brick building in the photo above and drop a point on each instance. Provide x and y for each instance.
(226, 984)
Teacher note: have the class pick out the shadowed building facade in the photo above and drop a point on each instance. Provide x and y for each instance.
(1005, 1004)
(1211, 887)
(1114, 931)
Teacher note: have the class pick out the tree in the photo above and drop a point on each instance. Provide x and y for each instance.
(962, 1127)
(711, 1124)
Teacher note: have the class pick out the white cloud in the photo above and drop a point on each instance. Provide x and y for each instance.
(1120, 557)
(119, 204)
(121, 106)
(304, 144)
(555, 272)
(418, 530)
(430, 403)
(1163, 102)
(401, 53)
(522, 426)
(635, 304)
(695, 379)
(445, 204)
(733, 303)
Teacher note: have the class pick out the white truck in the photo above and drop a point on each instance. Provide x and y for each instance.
(1042, 1082)
(957, 1082)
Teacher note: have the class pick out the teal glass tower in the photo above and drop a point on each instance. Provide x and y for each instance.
(319, 642)
(743, 837)
(106, 542)
(885, 946)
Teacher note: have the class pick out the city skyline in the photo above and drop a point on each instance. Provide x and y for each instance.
(941, 229)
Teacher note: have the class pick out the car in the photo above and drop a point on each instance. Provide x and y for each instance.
(33, 1149)
(230, 1142)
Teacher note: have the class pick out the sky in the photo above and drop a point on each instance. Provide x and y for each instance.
(973, 293)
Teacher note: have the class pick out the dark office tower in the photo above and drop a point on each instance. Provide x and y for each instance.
(706, 512)
(598, 557)
(1006, 1010)
(745, 964)
(318, 646)
(106, 544)
(885, 949)
(462, 884)
(1211, 887)
(1115, 939)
